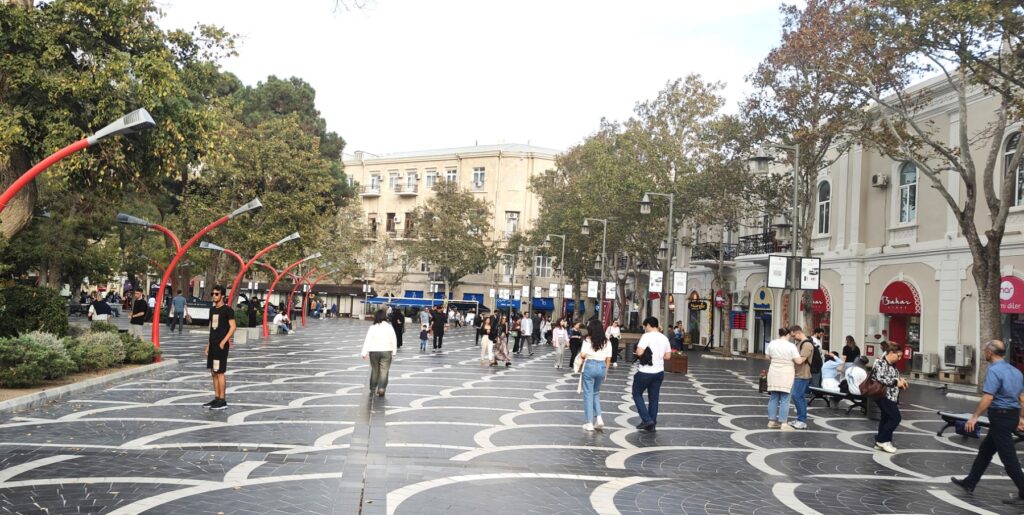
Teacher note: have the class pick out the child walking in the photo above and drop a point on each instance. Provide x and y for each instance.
(424, 336)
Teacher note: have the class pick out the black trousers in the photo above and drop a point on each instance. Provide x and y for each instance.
(615, 350)
(438, 339)
(575, 346)
(1002, 423)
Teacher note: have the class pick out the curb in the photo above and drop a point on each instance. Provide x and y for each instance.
(52, 394)
(954, 395)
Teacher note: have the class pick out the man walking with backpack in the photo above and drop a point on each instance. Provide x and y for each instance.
(805, 346)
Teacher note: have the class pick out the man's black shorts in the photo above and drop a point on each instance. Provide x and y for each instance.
(217, 359)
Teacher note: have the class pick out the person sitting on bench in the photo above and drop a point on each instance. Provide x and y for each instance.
(855, 374)
(830, 371)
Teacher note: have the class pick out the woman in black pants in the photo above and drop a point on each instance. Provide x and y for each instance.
(575, 342)
(885, 373)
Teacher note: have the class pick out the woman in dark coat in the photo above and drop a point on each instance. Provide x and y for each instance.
(398, 322)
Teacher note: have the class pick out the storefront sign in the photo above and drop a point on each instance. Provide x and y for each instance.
(719, 299)
(1011, 295)
(698, 305)
(820, 301)
(491, 292)
(777, 271)
(762, 299)
(592, 289)
(899, 298)
(538, 291)
(526, 292)
(568, 291)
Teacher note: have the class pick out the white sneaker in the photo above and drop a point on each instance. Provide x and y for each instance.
(799, 425)
(887, 447)
(598, 423)
(773, 424)
(588, 427)
(786, 427)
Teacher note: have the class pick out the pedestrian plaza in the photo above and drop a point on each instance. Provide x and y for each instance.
(303, 435)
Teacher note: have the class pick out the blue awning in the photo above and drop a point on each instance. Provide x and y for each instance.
(479, 297)
(570, 304)
(403, 303)
(543, 304)
(414, 294)
(440, 295)
(583, 306)
(509, 303)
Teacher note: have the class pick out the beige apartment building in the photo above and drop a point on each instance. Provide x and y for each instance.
(392, 186)
(894, 265)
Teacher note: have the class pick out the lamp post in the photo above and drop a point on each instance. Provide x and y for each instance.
(249, 206)
(246, 265)
(669, 249)
(761, 157)
(295, 287)
(230, 301)
(561, 263)
(135, 121)
(305, 299)
(604, 244)
(266, 305)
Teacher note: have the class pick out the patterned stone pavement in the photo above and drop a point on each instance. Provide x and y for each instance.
(302, 436)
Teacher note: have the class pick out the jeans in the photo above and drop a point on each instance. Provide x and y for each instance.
(282, 329)
(423, 344)
(593, 376)
(179, 319)
(890, 420)
(799, 395)
(380, 365)
(527, 344)
(778, 407)
(574, 348)
(1002, 423)
(652, 384)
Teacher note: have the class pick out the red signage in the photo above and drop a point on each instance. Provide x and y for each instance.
(899, 298)
(719, 299)
(1011, 295)
(820, 302)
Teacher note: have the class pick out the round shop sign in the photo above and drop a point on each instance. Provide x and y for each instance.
(1011, 295)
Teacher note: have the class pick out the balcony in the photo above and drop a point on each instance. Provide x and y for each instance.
(503, 279)
(370, 234)
(756, 247)
(370, 191)
(708, 254)
(407, 190)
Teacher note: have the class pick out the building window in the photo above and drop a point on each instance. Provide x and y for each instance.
(542, 266)
(451, 175)
(908, 193)
(372, 223)
(479, 177)
(410, 179)
(824, 207)
(393, 180)
(511, 223)
(1011, 149)
(375, 182)
(431, 178)
(507, 271)
(391, 223)
(408, 223)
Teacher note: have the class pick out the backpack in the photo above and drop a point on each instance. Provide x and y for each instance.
(815, 357)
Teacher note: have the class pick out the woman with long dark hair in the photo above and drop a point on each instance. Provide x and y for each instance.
(596, 354)
(380, 346)
(575, 342)
(501, 343)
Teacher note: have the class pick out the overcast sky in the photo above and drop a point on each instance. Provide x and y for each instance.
(403, 75)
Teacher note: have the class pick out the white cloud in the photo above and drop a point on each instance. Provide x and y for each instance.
(407, 75)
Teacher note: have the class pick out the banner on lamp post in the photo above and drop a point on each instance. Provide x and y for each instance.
(778, 271)
(609, 290)
(591, 289)
(568, 291)
(538, 291)
(526, 291)
(553, 290)
(492, 292)
(655, 282)
(517, 295)
(678, 282)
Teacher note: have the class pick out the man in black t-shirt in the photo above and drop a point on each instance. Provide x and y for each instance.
(222, 328)
(437, 325)
(139, 309)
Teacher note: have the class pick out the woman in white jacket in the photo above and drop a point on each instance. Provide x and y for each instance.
(380, 346)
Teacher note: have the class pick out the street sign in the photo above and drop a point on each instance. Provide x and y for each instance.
(777, 271)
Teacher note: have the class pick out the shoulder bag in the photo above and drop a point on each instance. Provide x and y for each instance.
(871, 388)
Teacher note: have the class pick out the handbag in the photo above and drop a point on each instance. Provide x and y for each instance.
(871, 388)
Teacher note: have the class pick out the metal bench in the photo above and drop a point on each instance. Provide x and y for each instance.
(952, 418)
(830, 396)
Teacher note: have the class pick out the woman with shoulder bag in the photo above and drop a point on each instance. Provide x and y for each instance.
(500, 338)
(575, 343)
(486, 344)
(560, 339)
(597, 356)
(889, 377)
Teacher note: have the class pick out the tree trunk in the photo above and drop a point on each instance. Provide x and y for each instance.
(18, 213)
(987, 277)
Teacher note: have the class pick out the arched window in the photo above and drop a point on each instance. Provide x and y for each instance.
(908, 193)
(1011, 148)
(824, 207)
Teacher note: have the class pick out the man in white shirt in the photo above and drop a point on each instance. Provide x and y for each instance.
(855, 374)
(650, 376)
(282, 323)
(526, 330)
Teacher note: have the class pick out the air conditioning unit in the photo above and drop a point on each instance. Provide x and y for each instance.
(879, 180)
(959, 355)
(925, 363)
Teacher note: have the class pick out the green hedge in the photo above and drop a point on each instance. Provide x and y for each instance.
(24, 309)
(25, 362)
(137, 350)
(30, 359)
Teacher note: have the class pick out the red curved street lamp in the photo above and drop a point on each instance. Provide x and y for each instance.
(266, 305)
(295, 288)
(217, 248)
(305, 299)
(135, 121)
(249, 206)
(233, 293)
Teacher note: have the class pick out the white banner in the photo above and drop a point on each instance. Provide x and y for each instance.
(568, 291)
(678, 282)
(504, 293)
(553, 290)
(251, 287)
(517, 295)
(609, 290)
(777, 272)
(810, 273)
(526, 292)
(492, 292)
(538, 291)
(654, 285)
(592, 289)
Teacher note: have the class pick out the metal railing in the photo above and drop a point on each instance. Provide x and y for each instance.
(711, 251)
(370, 190)
(407, 189)
(764, 243)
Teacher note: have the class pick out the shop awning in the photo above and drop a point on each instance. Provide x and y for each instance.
(821, 302)
(403, 303)
(543, 304)
(440, 295)
(509, 303)
(1011, 295)
(414, 294)
(899, 298)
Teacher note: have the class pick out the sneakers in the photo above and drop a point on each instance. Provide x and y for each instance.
(886, 446)
(1016, 500)
(380, 392)
(588, 427)
(962, 483)
(598, 423)
(773, 424)
(219, 404)
(615, 365)
(799, 425)
(786, 427)
(211, 403)
(646, 426)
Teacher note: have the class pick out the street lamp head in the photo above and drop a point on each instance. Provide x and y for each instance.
(290, 237)
(663, 249)
(761, 160)
(210, 246)
(645, 205)
(248, 206)
(585, 230)
(311, 256)
(127, 219)
(135, 121)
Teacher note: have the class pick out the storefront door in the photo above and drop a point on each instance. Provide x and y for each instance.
(902, 304)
